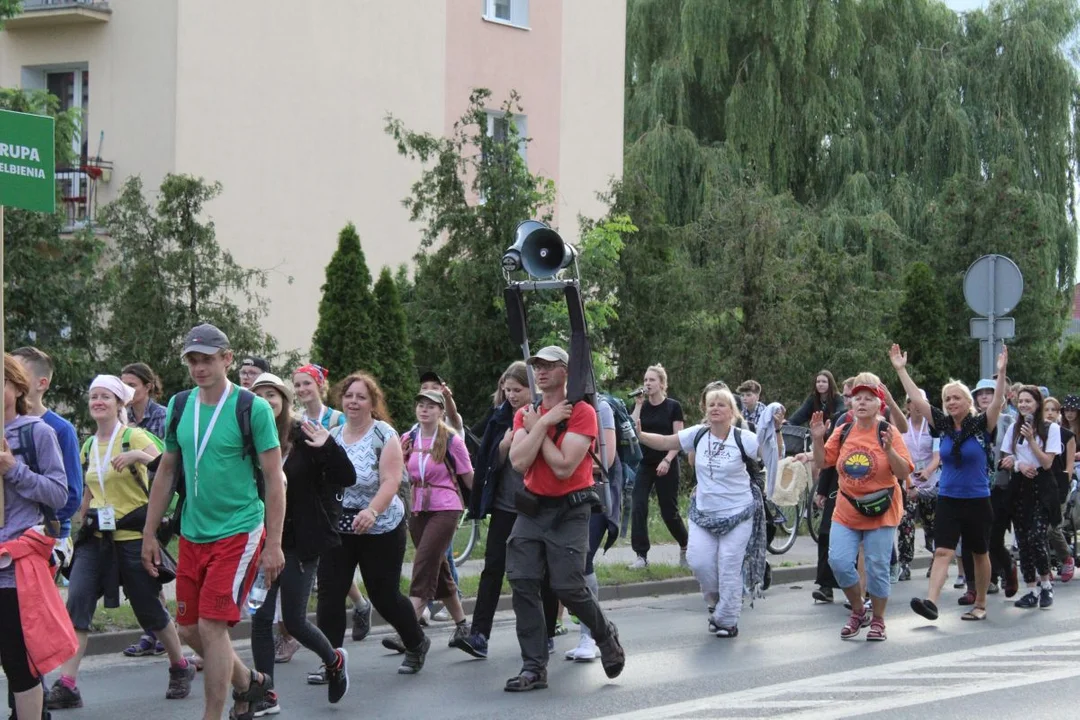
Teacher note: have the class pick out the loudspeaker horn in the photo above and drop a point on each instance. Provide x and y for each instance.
(539, 250)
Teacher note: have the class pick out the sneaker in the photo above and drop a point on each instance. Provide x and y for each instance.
(425, 618)
(822, 594)
(551, 646)
(180, 681)
(1012, 582)
(267, 706)
(1046, 598)
(905, 573)
(960, 582)
(586, 650)
(317, 677)
(286, 648)
(876, 633)
(393, 642)
(560, 629)
(143, 648)
(61, 697)
(640, 563)
(856, 622)
(612, 655)
(442, 616)
(159, 648)
(361, 621)
(682, 558)
(967, 598)
(414, 659)
(727, 632)
(1030, 600)
(475, 644)
(196, 660)
(993, 589)
(894, 573)
(338, 677)
(461, 631)
(1068, 569)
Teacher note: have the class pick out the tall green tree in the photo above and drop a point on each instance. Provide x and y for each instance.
(346, 338)
(921, 321)
(171, 274)
(395, 356)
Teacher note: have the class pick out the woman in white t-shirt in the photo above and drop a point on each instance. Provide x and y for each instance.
(1028, 450)
(725, 508)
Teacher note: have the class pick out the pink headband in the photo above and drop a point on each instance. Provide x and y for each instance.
(319, 374)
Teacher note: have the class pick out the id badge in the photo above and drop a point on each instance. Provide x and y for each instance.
(107, 518)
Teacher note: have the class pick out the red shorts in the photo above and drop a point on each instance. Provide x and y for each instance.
(213, 579)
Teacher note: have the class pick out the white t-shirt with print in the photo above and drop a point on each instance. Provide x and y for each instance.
(723, 484)
(1024, 453)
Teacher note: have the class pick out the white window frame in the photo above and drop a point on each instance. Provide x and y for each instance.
(519, 14)
(521, 122)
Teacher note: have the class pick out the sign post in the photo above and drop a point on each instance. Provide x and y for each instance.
(993, 286)
(27, 181)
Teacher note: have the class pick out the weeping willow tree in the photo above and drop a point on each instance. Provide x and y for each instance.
(889, 131)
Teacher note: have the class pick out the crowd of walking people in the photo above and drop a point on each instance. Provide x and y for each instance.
(278, 489)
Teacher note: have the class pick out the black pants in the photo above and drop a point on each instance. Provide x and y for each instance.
(12, 644)
(1000, 557)
(379, 558)
(825, 577)
(500, 523)
(667, 497)
(294, 584)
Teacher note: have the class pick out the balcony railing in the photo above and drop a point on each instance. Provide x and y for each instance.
(78, 194)
(45, 13)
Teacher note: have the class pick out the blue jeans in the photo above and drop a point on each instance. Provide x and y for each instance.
(877, 549)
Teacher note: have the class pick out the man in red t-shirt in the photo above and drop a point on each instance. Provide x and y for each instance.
(551, 534)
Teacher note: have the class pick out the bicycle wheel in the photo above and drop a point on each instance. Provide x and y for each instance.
(468, 531)
(786, 530)
(813, 515)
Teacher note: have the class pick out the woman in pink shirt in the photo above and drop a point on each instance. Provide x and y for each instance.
(436, 459)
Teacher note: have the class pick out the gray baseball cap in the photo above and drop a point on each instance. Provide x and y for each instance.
(205, 339)
(552, 353)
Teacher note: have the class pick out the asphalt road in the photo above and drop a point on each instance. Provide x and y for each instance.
(788, 661)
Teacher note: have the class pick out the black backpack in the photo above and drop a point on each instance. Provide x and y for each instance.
(28, 451)
(244, 401)
(626, 437)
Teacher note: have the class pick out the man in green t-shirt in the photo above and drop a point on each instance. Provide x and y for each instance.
(225, 527)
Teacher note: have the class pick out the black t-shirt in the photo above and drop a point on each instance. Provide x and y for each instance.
(659, 419)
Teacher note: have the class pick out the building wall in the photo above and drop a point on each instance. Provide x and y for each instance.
(286, 109)
(132, 64)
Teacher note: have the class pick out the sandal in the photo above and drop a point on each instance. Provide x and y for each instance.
(260, 685)
(925, 608)
(526, 681)
(975, 613)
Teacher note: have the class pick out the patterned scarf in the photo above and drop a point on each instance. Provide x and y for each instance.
(754, 559)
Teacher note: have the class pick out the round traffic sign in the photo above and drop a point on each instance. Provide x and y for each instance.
(993, 285)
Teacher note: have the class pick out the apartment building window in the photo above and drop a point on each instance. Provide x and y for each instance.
(507, 12)
(72, 88)
(498, 128)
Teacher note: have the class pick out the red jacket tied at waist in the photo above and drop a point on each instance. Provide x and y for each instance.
(47, 631)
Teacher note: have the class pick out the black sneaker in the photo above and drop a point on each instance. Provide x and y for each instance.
(61, 697)
(1046, 598)
(612, 655)
(338, 677)
(267, 706)
(475, 644)
(180, 682)
(361, 622)
(1030, 600)
(393, 642)
(317, 677)
(461, 632)
(822, 594)
(414, 659)
(905, 572)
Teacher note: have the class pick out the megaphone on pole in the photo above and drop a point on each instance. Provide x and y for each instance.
(538, 250)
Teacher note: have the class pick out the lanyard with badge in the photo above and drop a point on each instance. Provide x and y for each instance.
(106, 514)
(200, 445)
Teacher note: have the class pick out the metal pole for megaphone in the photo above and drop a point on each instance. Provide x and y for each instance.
(543, 255)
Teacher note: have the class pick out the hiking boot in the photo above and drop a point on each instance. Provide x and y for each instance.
(267, 706)
(337, 677)
(1068, 569)
(612, 655)
(475, 644)
(180, 681)
(1030, 600)
(414, 659)
(822, 594)
(876, 633)
(286, 648)
(61, 697)
(393, 642)
(586, 650)
(905, 573)
(856, 622)
(1046, 597)
(640, 563)
(361, 621)
(461, 631)
(967, 598)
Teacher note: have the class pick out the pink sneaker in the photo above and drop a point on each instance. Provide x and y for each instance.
(1068, 569)
(856, 622)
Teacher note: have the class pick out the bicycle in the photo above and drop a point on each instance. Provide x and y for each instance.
(786, 520)
(465, 538)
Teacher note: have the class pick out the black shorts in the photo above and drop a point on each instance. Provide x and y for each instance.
(87, 585)
(12, 644)
(967, 519)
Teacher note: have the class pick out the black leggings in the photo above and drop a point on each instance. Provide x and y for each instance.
(12, 644)
(379, 558)
(825, 577)
(294, 584)
(500, 523)
(667, 497)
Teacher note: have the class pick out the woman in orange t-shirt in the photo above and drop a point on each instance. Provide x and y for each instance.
(871, 461)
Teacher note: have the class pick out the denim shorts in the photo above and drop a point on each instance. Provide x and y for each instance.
(87, 584)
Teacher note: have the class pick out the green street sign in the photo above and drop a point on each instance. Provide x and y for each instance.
(27, 161)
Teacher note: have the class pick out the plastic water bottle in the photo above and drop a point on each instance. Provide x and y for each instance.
(257, 595)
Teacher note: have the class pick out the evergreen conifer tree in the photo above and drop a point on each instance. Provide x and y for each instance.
(346, 339)
(398, 376)
(921, 323)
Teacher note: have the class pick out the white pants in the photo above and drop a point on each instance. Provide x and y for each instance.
(717, 564)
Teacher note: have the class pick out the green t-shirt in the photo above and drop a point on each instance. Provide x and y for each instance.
(224, 501)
